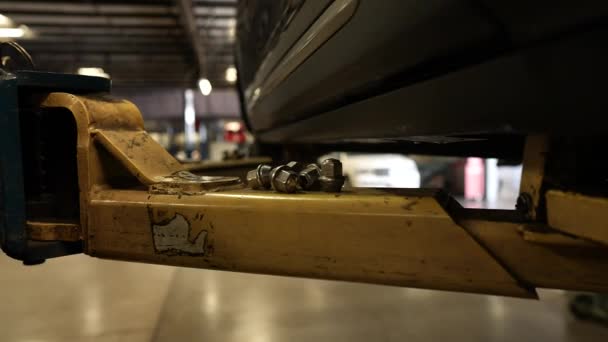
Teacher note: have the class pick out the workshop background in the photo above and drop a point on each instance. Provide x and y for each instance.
(152, 51)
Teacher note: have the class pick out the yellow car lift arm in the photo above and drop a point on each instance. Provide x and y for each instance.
(137, 203)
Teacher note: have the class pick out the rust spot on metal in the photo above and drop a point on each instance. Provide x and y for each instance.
(53, 231)
(410, 205)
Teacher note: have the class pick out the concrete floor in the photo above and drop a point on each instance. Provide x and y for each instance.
(79, 298)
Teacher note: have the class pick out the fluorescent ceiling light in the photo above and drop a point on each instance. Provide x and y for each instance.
(205, 86)
(11, 32)
(99, 72)
(231, 74)
(5, 21)
(8, 29)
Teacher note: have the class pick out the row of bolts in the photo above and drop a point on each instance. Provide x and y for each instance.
(294, 176)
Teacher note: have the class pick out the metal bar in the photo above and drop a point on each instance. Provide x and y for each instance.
(189, 24)
(126, 57)
(250, 163)
(53, 231)
(12, 190)
(535, 155)
(214, 11)
(105, 31)
(577, 214)
(142, 83)
(136, 150)
(105, 39)
(108, 49)
(214, 3)
(121, 44)
(118, 39)
(82, 8)
(163, 214)
(368, 236)
(66, 20)
(564, 263)
(215, 22)
(223, 32)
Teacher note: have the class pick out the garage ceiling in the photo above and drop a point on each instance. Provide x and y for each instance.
(137, 42)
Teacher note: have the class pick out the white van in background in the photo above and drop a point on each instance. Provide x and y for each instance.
(378, 170)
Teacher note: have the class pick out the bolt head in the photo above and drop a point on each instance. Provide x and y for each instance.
(295, 166)
(524, 203)
(330, 184)
(309, 176)
(253, 180)
(264, 175)
(331, 168)
(285, 181)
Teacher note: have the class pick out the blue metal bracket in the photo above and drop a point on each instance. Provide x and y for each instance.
(13, 215)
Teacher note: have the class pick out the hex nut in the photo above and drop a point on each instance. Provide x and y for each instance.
(331, 168)
(253, 181)
(524, 203)
(259, 178)
(295, 166)
(331, 184)
(284, 180)
(275, 170)
(264, 175)
(331, 178)
(309, 176)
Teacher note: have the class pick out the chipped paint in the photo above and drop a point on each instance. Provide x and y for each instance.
(173, 237)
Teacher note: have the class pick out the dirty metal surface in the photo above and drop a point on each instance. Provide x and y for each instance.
(53, 231)
(555, 261)
(140, 154)
(93, 112)
(535, 155)
(209, 165)
(579, 215)
(369, 236)
(413, 238)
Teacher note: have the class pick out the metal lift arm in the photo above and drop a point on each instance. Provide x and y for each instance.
(135, 202)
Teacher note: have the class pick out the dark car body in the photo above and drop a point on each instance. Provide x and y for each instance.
(421, 72)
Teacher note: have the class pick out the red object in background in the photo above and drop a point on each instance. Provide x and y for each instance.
(234, 132)
(474, 179)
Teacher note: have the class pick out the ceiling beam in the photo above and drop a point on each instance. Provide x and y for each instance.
(41, 29)
(105, 49)
(215, 11)
(227, 23)
(213, 3)
(68, 20)
(85, 8)
(189, 25)
(133, 57)
(107, 39)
